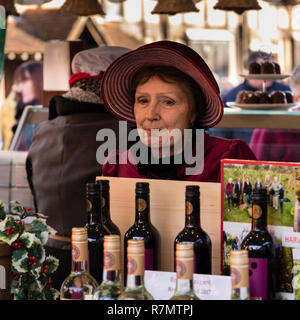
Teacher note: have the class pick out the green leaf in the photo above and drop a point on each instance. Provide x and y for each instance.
(20, 260)
(51, 293)
(17, 208)
(39, 225)
(52, 264)
(19, 294)
(27, 239)
(2, 210)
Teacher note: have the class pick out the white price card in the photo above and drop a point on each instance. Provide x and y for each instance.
(162, 285)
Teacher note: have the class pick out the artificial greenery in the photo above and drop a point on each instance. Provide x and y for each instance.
(31, 267)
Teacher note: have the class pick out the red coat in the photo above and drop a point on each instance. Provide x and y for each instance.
(215, 149)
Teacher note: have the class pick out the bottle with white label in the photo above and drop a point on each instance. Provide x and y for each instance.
(80, 284)
(259, 244)
(135, 288)
(111, 286)
(239, 272)
(184, 272)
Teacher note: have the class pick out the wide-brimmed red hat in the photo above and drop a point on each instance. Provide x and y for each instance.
(117, 78)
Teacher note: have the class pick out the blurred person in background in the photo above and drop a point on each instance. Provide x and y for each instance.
(279, 144)
(29, 82)
(247, 85)
(62, 157)
(7, 117)
(27, 89)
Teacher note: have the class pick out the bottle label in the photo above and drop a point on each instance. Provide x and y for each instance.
(135, 265)
(256, 211)
(103, 202)
(79, 251)
(141, 204)
(184, 268)
(149, 259)
(258, 277)
(88, 205)
(188, 207)
(239, 277)
(111, 261)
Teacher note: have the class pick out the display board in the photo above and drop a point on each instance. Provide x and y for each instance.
(283, 216)
(167, 205)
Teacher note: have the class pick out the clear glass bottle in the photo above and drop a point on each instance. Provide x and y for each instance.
(184, 272)
(80, 284)
(111, 286)
(135, 288)
(239, 272)
(105, 207)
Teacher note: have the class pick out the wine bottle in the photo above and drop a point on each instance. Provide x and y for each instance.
(111, 286)
(184, 272)
(105, 207)
(192, 232)
(135, 288)
(259, 243)
(143, 229)
(80, 284)
(239, 272)
(96, 231)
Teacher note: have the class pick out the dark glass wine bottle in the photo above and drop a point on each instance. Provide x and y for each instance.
(105, 207)
(96, 230)
(259, 244)
(142, 229)
(192, 232)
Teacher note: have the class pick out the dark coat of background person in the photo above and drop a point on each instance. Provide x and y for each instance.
(62, 156)
(61, 160)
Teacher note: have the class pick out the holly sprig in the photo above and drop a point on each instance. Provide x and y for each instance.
(31, 267)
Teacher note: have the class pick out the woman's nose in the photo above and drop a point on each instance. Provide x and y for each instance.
(153, 111)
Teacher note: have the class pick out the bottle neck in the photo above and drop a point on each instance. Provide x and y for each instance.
(240, 282)
(79, 266)
(259, 215)
(93, 208)
(192, 212)
(134, 281)
(135, 270)
(80, 256)
(105, 206)
(142, 208)
(112, 275)
(184, 285)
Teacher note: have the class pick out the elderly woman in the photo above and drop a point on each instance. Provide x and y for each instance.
(164, 87)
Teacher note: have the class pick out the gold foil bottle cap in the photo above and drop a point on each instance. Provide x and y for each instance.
(79, 244)
(136, 247)
(185, 250)
(79, 234)
(135, 259)
(239, 258)
(111, 252)
(112, 242)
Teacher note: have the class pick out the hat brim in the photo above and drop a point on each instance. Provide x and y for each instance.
(117, 78)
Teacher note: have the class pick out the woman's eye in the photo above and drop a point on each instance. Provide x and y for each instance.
(168, 102)
(142, 100)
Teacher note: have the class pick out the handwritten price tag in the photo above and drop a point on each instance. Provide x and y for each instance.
(162, 285)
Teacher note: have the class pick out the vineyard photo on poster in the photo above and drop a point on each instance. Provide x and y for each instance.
(282, 182)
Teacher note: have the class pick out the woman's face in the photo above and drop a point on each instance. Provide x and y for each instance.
(26, 89)
(161, 105)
